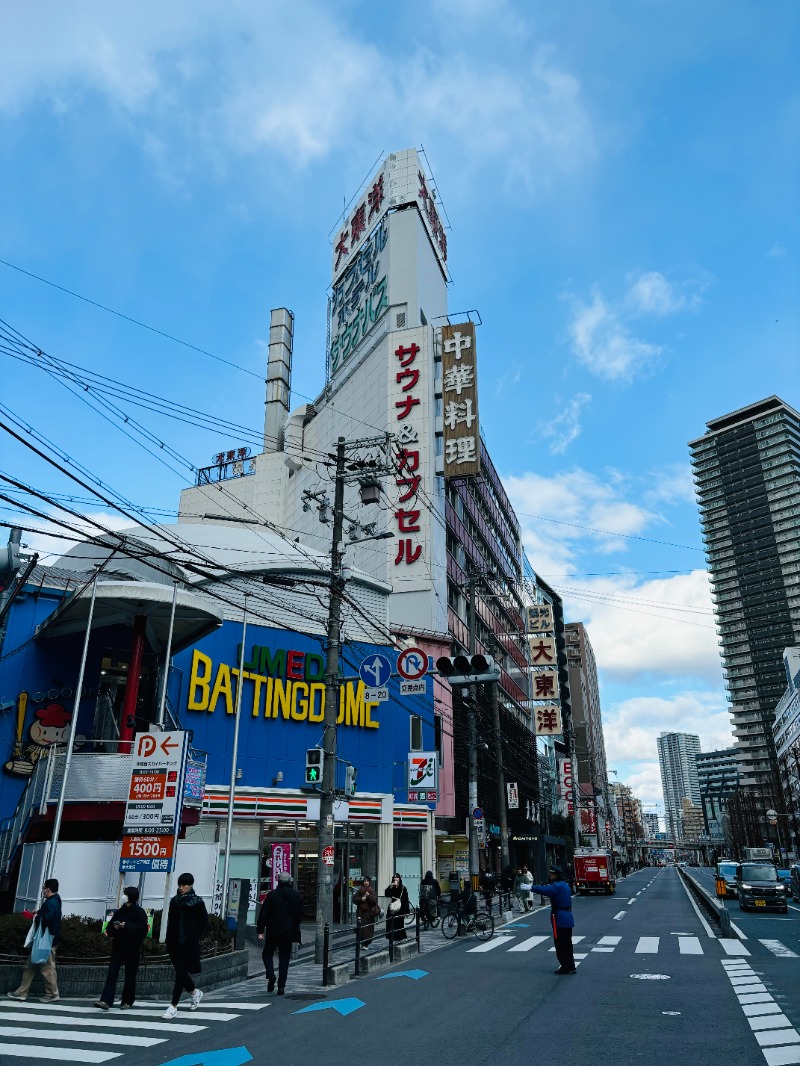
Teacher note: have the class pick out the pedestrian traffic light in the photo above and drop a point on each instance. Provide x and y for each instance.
(467, 669)
(350, 775)
(315, 761)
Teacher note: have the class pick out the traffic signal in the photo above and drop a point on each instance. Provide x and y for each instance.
(350, 775)
(315, 761)
(467, 669)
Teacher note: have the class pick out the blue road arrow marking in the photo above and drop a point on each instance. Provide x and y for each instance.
(516, 925)
(413, 974)
(343, 1006)
(229, 1056)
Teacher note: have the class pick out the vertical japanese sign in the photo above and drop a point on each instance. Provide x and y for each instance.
(155, 799)
(281, 862)
(461, 428)
(565, 785)
(408, 416)
(547, 719)
(512, 792)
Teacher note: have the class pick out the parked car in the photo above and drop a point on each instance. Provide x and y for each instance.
(726, 879)
(757, 886)
(785, 876)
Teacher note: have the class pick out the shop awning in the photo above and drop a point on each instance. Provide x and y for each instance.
(119, 602)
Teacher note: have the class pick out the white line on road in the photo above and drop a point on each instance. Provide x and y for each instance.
(633, 900)
(705, 924)
(689, 945)
(775, 1021)
(738, 931)
(734, 947)
(607, 943)
(529, 944)
(490, 945)
(755, 997)
(88, 1038)
(648, 945)
(152, 1012)
(575, 940)
(779, 949)
(757, 1010)
(620, 916)
(209, 1003)
(781, 1056)
(779, 1036)
(57, 1054)
(102, 1023)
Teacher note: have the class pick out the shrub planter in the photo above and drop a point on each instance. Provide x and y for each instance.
(154, 980)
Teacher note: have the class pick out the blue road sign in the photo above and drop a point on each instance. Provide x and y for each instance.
(375, 671)
(343, 1006)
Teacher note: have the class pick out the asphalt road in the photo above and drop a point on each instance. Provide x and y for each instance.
(653, 986)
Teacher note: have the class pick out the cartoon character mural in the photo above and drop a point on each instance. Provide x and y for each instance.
(50, 726)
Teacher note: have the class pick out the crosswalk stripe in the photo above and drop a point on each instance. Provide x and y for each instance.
(490, 945)
(607, 943)
(57, 1054)
(648, 945)
(734, 947)
(208, 1003)
(689, 945)
(103, 1023)
(779, 949)
(575, 940)
(157, 1012)
(530, 943)
(88, 1038)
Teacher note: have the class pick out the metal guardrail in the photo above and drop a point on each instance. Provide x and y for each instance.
(349, 943)
(718, 911)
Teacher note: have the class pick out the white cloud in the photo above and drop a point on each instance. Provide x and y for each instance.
(652, 294)
(604, 344)
(672, 484)
(565, 427)
(777, 251)
(295, 82)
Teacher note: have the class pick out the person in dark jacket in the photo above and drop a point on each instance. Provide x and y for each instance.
(186, 922)
(396, 917)
(47, 919)
(127, 928)
(367, 909)
(429, 892)
(279, 927)
(560, 896)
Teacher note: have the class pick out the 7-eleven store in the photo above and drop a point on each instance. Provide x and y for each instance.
(373, 836)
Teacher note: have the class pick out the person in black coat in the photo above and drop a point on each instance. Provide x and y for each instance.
(395, 916)
(279, 927)
(429, 892)
(186, 922)
(127, 927)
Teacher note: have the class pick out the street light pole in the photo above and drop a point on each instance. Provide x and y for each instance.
(472, 735)
(325, 829)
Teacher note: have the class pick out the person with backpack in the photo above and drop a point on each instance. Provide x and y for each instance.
(429, 892)
(127, 928)
(43, 937)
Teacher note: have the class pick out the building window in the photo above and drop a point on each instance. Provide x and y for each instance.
(416, 733)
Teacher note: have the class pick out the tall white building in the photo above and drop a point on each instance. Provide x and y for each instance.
(677, 760)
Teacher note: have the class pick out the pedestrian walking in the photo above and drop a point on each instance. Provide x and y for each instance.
(187, 921)
(43, 937)
(521, 890)
(279, 927)
(367, 909)
(127, 928)
(429, 892)
(399, 907)
(561, 917)
(527, 878)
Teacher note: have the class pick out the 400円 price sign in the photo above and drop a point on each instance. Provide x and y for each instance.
(155, 799)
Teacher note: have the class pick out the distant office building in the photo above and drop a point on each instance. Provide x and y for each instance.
(692, 817)
(718, 776)
(676, 759)
(651, 825)
(747, 476)
(590, 748)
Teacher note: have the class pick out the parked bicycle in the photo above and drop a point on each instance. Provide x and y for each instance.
(455, 921)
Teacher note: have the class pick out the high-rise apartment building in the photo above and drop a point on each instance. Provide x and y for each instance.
(718, 776)
(747, 476)
(676, 759)
(650, 821)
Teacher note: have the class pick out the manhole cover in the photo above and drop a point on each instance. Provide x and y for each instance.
(650, 976)
(672, 1013)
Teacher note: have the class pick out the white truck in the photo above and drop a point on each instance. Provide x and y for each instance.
(758, 855)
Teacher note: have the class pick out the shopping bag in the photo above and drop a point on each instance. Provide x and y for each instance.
(41, 947)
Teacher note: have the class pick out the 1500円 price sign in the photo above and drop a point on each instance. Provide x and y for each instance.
(155, 795)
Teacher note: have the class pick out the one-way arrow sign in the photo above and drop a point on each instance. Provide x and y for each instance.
(343, 1006)
(167, 744)
(413, 974)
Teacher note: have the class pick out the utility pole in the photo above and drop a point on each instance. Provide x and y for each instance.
(472, 734)
(498, 754)
(325, 830)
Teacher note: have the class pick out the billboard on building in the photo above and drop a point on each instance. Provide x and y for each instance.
(461, 425)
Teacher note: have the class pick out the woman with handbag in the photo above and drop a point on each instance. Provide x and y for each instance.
(43, 937)
(367, 909)
(399, 907)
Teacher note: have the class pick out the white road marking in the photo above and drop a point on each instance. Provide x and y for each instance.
(530, 943)
(607, 943)
(689, 945)
(57, 1054)
(738, 931)
(208, 1003)
(620, 916)
(773, 1021)
(757, 997)
(742, 982)
(648, 945)
(734, 947)
(696, 909)
(749, 990)
(153, 1012)
(103, 1023)
(779, 949)
(632, 900)
(756, 1010)
(778, 1036)
(781, 1056)
(575, 940)
(490, 945)
(88, 1038)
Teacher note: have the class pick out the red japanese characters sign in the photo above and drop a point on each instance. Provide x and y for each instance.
(547, 719)
(408, 477)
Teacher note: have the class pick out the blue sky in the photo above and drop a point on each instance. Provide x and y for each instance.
(621, 180)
